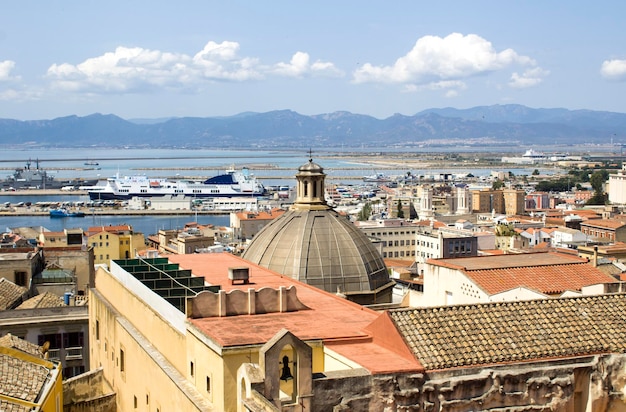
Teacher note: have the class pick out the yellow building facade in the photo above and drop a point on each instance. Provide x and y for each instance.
(114, 242)
(192, 359)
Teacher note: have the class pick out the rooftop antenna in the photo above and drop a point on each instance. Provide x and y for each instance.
(310, 155)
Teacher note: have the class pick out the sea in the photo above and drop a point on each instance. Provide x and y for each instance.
(100, 163)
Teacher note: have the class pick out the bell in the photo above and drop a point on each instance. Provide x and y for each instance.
(286, 374)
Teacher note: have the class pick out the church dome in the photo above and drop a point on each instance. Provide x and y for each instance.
(316, 245)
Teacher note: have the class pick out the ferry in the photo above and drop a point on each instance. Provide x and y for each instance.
(231, 184)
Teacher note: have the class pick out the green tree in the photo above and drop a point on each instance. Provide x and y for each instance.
(365, 212)
(536, 172)
(400, 210)
(597, 180)
(497, 184)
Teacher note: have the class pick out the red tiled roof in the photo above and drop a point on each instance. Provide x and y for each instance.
(276, 212)
(505, 332)
(548, 273)
(604, 223)
(51, 234)
(492, 252)
(398, 263)
(545, 279)
(111, 229)
(330, 318)
(436, 224)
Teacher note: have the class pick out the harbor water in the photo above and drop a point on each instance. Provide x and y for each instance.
(101, 163)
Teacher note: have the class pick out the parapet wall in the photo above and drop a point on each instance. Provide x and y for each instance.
(238, 302)
(88, 392)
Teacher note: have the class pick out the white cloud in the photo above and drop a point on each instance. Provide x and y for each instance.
(128, 70)
(434, 59)
(614, 70)
(451, 87)
(6, 67)
(529, 78)
(300, 66)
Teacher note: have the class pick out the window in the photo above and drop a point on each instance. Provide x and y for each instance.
(191, 369)
(208, 384)
(135, 402)
(122, 361)
(20, 278)
(98, 330)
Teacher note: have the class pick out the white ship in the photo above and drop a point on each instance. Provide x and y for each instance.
(231, 184)
(530, 157)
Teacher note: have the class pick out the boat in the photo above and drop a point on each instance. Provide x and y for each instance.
(377, 178)
(29, 177)
(529, 157)
(62, 212)
(91, 163)
(231, 184)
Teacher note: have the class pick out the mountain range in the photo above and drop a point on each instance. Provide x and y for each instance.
(497, 124)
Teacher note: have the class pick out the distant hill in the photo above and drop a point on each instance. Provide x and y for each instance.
(511, 124)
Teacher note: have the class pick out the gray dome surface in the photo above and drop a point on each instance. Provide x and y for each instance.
(321, 248)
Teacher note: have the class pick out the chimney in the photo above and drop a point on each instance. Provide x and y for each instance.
(595, 256)
(240, 273)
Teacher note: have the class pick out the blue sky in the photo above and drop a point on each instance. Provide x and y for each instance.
(153, 59)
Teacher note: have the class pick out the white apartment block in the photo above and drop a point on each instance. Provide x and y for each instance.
(396, 236)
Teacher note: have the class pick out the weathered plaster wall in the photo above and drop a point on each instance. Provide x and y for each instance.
(88, 392)
(594, 383)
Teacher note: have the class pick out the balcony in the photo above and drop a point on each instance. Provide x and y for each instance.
(54, 354)
(74, 353)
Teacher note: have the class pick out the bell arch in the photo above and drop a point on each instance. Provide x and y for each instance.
(272, 362)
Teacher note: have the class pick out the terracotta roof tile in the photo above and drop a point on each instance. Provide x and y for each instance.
(604, 223)
(44, 300)
(470, 335)
(273, 214)
(112, 229)
(10, 294)
(507, 261)
(11, 341)
(399, 263)
(549, 273)
(545, 279)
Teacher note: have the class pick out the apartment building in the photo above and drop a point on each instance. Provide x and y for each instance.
(397, 237)
(114, 242)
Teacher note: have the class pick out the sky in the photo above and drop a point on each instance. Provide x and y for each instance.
(158, 59)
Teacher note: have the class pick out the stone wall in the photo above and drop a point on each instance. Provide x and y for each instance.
(593, 383)
(88, 392)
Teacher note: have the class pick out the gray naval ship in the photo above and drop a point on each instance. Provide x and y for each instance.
(29, 177)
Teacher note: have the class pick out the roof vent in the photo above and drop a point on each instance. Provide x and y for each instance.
(241, 273)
